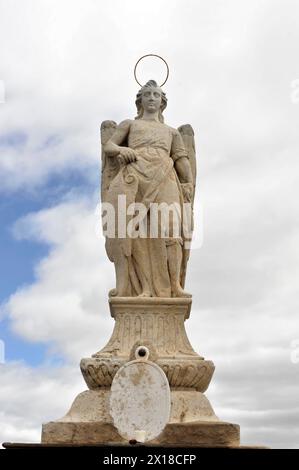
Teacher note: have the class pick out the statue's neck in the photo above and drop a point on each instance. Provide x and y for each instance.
(150, 116)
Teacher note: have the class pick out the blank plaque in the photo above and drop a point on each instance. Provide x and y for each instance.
(140, 400)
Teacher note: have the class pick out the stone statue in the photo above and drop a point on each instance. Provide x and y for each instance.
(152, 165)
(146, 163)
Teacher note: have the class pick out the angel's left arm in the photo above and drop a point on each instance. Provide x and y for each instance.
(180, 158)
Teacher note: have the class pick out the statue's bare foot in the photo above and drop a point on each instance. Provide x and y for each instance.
(179, 292)
(145, 293)
(113, 293)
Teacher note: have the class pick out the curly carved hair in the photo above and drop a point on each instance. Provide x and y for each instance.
(150, 84)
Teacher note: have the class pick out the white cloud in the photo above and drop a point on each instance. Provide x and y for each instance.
(69, 65)
(30, 397)
(59, 67)
(66, 306)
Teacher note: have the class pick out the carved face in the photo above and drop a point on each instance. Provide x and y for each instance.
(151, 99)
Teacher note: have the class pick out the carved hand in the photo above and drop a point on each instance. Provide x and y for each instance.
(126, 155)
(187, 191)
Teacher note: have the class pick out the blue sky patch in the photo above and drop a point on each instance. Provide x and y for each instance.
(18, 258)
(13, 139)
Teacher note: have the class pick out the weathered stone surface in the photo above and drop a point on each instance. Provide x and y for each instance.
(56, 432)
(159, 325)
(140, 400)
(159, 321)
(89, 406)
(91, 409)
(189, 405)
(93, 406)
(195, 374)
(149, 163)
(200, 434)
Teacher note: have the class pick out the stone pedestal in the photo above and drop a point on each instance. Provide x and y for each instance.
(158, 324)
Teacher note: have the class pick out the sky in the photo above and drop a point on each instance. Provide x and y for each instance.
(65, 66)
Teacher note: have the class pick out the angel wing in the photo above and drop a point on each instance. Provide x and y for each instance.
(187, 134)
(110, 166)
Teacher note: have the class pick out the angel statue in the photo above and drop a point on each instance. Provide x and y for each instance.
(147, 164)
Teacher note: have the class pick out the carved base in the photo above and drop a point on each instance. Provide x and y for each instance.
(199, 434)
(192, 422)
(195, 374)
(157, 323)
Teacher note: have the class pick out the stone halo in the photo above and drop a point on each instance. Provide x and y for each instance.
(151, 55)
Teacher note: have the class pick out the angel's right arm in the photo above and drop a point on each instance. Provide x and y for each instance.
(112, 147)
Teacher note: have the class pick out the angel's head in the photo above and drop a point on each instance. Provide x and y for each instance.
(152, 99)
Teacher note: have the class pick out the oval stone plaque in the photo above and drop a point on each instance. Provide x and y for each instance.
(140, 400)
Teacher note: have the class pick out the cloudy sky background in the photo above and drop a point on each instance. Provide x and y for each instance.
(234, 75)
